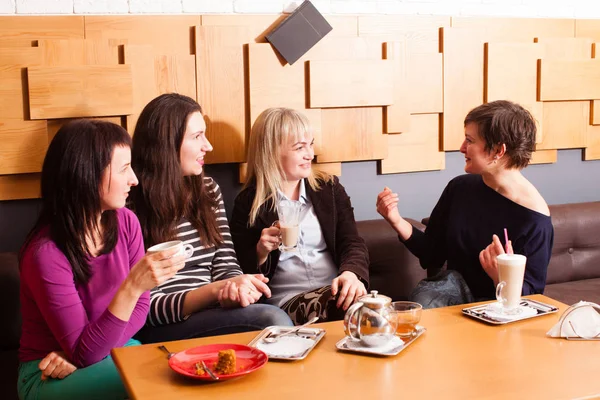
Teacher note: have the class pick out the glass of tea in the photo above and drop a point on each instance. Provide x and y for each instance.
(407, 315)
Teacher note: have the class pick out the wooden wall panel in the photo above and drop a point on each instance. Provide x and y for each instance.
(417, 149)
(330, 168)
(274, 85)
(595, 110)
(53, 125)
(425, 74)
(592, 151)
(350, 83)
(565, 48)
(544, 157)
(168, 34)
(260, 25)
(24, 145)
(344, 48)
(20, 186)
(13, 80)
(588, 28)
(397, 116)
(493, 29)
(79, 91)
(511, 74)
(569, 80)
(141, 60)
(565, 125)
(221, 84)
(463, 82)
(421, 33)
(360, 131)
(71, 52)
(46, 27)
(176, 73)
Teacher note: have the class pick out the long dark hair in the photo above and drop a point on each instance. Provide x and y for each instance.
(72, 175)
(163, 195)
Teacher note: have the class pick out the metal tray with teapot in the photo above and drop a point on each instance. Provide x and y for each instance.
(376, 326)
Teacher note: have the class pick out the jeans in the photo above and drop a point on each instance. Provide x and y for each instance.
(217, 321)
(97, 381)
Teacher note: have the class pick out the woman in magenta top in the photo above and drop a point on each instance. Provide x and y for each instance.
(84, 276)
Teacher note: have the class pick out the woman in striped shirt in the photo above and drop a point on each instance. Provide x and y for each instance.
(210, 295)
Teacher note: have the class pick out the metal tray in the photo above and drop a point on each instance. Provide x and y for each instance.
(477, 312)
(313, 334)
(353, 346)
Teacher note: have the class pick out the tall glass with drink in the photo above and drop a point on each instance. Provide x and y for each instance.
(511, 271)
(289, 219)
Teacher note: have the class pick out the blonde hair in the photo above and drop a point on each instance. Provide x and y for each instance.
(272, 131)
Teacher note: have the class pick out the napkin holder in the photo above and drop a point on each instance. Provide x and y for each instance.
(581, 321)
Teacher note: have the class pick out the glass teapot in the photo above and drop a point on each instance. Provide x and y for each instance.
(371, 320)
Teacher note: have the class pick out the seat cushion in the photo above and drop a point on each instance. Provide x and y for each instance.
(9, 369)
(572, 292)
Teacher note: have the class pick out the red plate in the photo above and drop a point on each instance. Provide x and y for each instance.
(248, 359)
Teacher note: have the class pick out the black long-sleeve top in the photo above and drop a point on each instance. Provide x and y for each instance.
(462, 224)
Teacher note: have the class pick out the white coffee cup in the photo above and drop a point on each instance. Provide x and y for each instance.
(511, 271)
(184, 250)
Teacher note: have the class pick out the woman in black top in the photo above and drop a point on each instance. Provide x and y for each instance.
(474, 209)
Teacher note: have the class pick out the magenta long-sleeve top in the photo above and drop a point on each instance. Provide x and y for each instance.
(59, 314)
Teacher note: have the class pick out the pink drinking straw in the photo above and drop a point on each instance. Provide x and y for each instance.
(506, 241)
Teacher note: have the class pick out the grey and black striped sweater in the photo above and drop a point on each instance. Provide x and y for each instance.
(207, 264)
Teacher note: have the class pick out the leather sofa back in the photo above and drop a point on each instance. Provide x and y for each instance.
(393, 271)
(576, 250)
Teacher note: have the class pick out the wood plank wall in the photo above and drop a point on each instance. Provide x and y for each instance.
(389, 88)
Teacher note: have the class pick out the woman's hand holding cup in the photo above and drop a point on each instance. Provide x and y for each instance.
(156, 268)
(269, 240)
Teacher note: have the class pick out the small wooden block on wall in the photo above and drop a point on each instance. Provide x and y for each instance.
(564, 125)
(592, 151)
(416, 150)
(595, 112)
(397, 115)
(330, 168)
(42, 27)
(355, 83)
(352, 134)
(21, 186)
(24, 145)
(563, 80)
(79, 91)
(544, 157)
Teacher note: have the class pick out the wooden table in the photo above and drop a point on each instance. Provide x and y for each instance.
(458, 357)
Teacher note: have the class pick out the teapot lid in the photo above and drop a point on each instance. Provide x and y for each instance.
(375, 300)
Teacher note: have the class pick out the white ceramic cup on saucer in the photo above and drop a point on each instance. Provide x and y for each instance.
(511, 271)
(184, 250)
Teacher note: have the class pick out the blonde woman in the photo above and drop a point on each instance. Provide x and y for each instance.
(329, 270)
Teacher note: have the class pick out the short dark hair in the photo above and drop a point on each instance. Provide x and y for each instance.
(163, 195)
(504, 122)
(72, 172)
